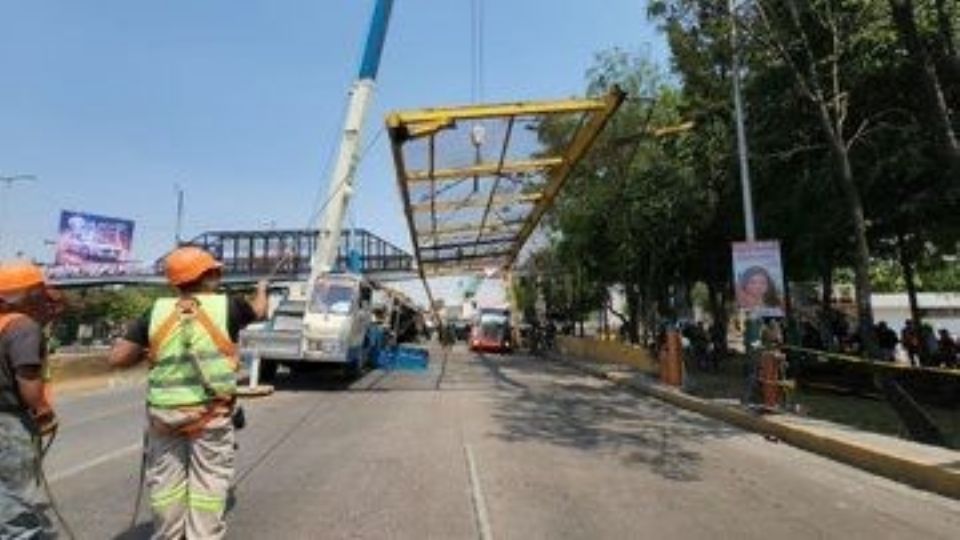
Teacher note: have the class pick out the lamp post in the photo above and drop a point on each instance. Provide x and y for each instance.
(752, 324)
(742, 151)
(8, 182)
(179, 228)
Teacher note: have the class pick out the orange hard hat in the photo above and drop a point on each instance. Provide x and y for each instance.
(20, 276)
(188, 264)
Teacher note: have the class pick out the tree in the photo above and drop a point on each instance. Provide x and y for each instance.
(106, 308)
(932, 105)
(631, 213)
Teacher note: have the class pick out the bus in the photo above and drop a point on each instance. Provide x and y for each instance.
(491, 331)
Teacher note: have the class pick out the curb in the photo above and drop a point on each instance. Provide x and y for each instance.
(247, 392)
(937, 478)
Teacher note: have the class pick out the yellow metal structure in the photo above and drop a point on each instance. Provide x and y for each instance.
(476, 180)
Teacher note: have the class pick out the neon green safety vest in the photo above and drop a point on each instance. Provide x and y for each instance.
(176, 332)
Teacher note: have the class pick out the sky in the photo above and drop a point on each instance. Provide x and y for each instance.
(111, 103)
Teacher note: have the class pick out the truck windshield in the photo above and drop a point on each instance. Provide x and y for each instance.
(332, 298)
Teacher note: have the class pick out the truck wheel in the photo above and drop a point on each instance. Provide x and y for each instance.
(268, 370)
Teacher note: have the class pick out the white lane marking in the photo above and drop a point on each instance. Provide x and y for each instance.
(68, 424)
(476, 492)
(77, 469)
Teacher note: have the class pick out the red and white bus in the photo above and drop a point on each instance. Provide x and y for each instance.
(491, 331)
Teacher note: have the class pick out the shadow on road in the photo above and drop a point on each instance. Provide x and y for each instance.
(315, 381)
(138, 532)
(565, 409)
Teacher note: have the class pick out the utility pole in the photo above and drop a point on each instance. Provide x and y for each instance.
(179, 231)
(8, 182)
(742, 151)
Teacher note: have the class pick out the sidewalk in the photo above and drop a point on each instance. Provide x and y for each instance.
(927, 467)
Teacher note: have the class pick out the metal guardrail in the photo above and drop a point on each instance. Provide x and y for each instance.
(893, 381)
(879, 365)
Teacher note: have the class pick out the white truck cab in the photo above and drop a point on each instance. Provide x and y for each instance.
(327, 325)
(336, 319)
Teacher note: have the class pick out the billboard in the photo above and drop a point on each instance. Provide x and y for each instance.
(88, 240)
(758, 278)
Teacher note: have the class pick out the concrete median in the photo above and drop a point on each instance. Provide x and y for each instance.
(88, 370)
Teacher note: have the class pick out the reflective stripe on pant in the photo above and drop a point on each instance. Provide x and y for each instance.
(188, 481)
(20, 516)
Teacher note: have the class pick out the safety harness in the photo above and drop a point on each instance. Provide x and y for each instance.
(180, 324)
(186, 312)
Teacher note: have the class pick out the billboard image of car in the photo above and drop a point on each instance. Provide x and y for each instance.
(88, 239)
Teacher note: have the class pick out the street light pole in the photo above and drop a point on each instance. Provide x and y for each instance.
(179, 230)
(741, 132)
(8, 182)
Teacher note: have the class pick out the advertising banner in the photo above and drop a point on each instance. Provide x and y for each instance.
(758, 278)
(92, 241)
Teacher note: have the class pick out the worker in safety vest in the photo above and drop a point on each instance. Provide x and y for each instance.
(26, 414)
(189, 341)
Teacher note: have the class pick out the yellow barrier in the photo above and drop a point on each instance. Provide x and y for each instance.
(612, 352)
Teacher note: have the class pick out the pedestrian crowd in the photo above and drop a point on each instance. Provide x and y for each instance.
(915, 345)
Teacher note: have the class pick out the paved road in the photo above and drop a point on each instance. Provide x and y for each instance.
(491, 447)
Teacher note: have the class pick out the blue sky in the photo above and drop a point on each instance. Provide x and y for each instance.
(112, 102)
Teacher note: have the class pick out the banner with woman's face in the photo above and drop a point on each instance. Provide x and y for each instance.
(758, 278)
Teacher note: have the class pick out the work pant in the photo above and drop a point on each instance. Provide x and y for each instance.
(20, 515)
(188, 481)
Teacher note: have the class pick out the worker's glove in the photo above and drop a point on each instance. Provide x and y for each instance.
(46, 421)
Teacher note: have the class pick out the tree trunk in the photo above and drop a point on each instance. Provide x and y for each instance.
(861, 267)
(826, 301)
(910, 279)
(934, 105)
(832, 125)
(644, 311)
(633, 311)
(724, 307)
(688, 306)
(951, 59)
(714, 303)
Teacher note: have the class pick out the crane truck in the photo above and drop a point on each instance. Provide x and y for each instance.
(326, 320)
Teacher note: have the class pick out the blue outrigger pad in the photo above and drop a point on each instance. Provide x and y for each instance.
(403, 359)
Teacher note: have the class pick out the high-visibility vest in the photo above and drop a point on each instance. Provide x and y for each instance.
(184, 327)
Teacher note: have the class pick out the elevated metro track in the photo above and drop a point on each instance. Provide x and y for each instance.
(249, 256)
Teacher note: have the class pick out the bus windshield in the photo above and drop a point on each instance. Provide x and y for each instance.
(493, 319)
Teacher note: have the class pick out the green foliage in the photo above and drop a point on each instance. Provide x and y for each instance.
(646, 214)
(107, 309)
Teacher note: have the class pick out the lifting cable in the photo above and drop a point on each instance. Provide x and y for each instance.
(476, 51)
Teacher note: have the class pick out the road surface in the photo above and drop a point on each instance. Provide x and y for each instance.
(490, 447)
